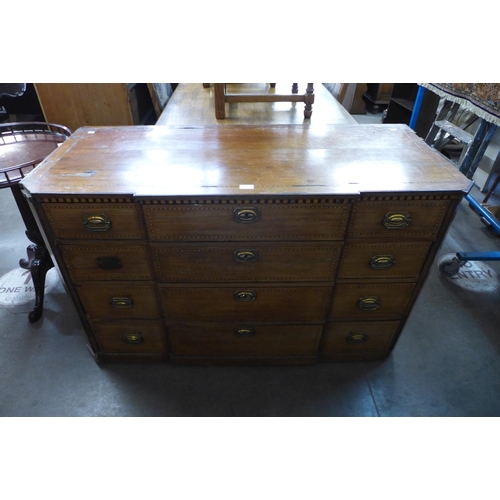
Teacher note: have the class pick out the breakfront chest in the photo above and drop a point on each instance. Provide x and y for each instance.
(282, 244)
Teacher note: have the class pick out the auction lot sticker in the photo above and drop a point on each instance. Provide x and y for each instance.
(475, 276)
(16, 287)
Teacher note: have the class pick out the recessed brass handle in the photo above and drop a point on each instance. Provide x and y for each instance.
(121, 302)
(245, 295)
(246, 215)
(356, 338)
(244, 332)
(107, 263)
(369, 303)
(96, 222)
(246, 255)
(132, 338)
(379, 262)
(396, 220)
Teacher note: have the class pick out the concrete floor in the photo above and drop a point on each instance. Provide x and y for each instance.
(446, 363)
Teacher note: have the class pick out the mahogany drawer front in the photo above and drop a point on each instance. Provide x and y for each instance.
(383, 260)
(230, 222)
(397, 219)
(131, 336)
(95, 220)
(237, 262)
(244, 340)
(119, 300)
(245, 303)
(358, 336)
(370, 301)
(107, 261)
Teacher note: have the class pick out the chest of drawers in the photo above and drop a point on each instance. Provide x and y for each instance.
(244, 244)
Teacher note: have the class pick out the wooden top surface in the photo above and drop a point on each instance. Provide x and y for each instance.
(244, 161)
(191, 104)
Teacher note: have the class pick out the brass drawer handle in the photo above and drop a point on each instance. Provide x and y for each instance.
(379, 262)
(396, 220)
(246, 255)
(245, 295)
(356, 338)
(246, 215)
(244, 332)
(121, 302)
(132, 338)
(96, 222)
(369, 303)
(108, 263)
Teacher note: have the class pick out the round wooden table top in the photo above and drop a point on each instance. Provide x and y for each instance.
(24, 145)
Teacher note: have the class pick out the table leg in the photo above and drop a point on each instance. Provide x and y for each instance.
(39, 260)
(38, 263)
(309, 100)
(220, 100)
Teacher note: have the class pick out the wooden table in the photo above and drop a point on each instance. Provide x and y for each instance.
(193, 105)
(22, 147)
(223, 96)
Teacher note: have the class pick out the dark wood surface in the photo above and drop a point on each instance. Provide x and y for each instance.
(220, 340)
(248, 161)
(280, 244)
(257, 262)
(301, 303)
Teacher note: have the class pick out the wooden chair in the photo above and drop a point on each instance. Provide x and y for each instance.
(221, 97)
